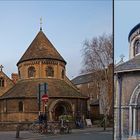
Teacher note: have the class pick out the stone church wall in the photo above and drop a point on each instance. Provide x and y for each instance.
(129, 83)
(7, 84)
(40, 67)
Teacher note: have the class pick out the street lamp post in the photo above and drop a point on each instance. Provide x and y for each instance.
(120, 100)
(46, 116)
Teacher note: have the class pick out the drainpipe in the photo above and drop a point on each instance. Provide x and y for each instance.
(119, 78)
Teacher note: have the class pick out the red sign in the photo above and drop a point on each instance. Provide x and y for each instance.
(45, 98)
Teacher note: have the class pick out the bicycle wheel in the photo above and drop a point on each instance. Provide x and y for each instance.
(69, 130)
(31, 128)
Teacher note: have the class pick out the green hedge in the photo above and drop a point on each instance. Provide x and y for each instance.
(67, 118)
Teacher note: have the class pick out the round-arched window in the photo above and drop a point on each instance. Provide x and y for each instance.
(1, 82)
(63, 73)
(19, 73)
(50, 72)
(137, 47)
(31, 72)
(20, 106)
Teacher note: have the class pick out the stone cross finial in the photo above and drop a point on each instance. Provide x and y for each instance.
(41, 24)
(122, 57)
(1, 67)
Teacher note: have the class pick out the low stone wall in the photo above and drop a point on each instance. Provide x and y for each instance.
(11, 126)
(18, 116)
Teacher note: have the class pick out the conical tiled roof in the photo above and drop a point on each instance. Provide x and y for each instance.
(41, 48)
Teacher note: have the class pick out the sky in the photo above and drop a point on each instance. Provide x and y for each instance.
(126, 16)
(67, 24)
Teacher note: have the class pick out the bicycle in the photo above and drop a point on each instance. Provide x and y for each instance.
(48, 129)
(35, 127)
(65, 129)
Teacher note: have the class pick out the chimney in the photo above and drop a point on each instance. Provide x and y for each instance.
(14, 77)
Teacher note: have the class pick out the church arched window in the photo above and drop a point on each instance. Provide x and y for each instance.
(1, 82)
(50, 72)
(31, 72)
(20, 106)
(19, 74)
(63, 73)
(137, 47)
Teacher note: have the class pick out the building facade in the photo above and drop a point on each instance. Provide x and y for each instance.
(90, 85)
(86, 85)
(5, 82)
(127, 92)
(41, 63)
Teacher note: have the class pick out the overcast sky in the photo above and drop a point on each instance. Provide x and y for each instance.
(66, 24)
(126, 16)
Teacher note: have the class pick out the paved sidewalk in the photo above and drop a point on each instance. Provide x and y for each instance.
(11, 135)
(93, 128)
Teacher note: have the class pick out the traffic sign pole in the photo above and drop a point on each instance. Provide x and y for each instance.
(42, 96)
(39, 99)
(45, 98)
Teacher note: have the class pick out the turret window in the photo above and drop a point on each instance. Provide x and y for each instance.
(50, 72)
(63, 73)
(19, 74)
(20, 106)
(1, 82)
(31, 72)
(137, 47)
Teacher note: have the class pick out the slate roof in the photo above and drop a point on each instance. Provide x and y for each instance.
(29, 88)
(131, 65)
(82, 79)
(41, 48)
(94, 103)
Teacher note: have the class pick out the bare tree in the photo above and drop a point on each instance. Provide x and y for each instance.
(97, 57)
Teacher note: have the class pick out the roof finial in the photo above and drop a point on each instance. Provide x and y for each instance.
(122, 57)
(1, 67)
(41, 24)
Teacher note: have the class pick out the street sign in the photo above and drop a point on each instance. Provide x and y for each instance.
(42, 89)
(45, 98)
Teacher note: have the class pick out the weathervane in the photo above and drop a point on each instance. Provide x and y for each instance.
(41, 24)
(1, 67)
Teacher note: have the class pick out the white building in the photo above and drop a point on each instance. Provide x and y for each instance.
(127, 92)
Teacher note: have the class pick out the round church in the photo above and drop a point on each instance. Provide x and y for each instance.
(41, 63)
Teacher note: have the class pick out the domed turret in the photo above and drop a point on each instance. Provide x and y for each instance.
(134, 40)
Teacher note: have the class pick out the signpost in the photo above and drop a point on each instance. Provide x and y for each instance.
(43, 96)
(42, 89)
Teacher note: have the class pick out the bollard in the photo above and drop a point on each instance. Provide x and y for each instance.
(17, 131)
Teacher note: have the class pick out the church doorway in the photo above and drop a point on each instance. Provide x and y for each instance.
(62, 108)
(134, 113)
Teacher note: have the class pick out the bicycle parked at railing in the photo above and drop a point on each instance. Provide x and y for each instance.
(44, 128)
(65, 130)
(50, 128)
(64, 127)
(35, 126)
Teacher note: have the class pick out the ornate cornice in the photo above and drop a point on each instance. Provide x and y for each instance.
(43, 61)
